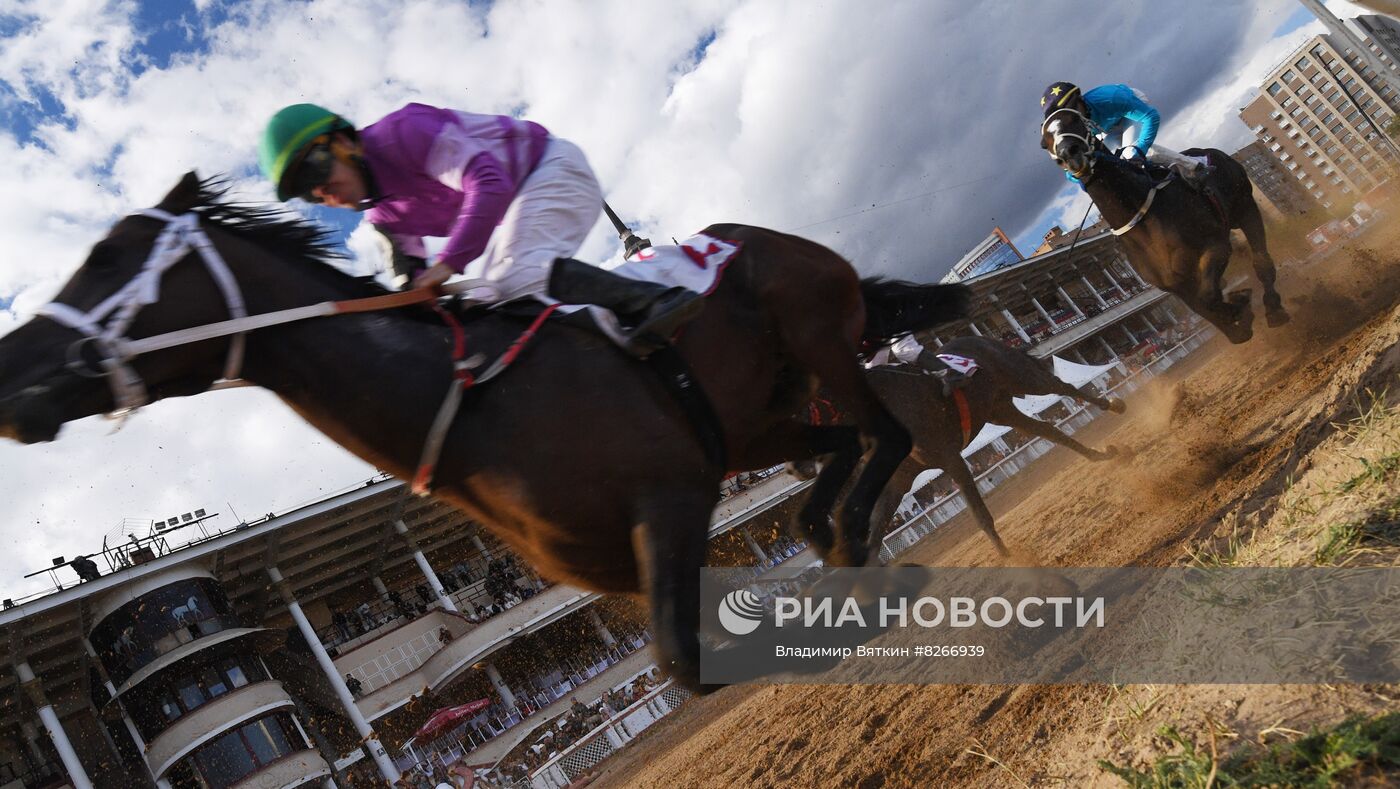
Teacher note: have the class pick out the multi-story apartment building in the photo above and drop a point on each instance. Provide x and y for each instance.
(1273, 180)
(1322, 112)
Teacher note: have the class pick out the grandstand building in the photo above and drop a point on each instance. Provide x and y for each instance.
(266, 654)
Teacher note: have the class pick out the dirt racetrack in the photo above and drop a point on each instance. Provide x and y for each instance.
(1225, 445)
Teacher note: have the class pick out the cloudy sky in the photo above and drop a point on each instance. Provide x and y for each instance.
(898, 132)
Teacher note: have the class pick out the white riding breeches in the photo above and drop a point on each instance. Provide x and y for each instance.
(555, 209)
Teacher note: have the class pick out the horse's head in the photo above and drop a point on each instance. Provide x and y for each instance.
(70, 361)
(1067, 135)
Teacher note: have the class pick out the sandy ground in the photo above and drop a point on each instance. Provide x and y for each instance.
(1226, 450)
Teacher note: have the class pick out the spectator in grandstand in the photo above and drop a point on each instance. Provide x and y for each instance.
(395, 601)
(342, 624)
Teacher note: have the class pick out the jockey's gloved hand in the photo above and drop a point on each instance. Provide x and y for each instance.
(1133, 153)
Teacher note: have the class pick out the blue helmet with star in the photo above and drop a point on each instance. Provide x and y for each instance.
(1060, 95)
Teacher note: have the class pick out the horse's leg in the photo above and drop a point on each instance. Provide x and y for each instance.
(821, 345)
(1252, 223)
(957, 470)
(1012, 417)
(669, 537)
(888, 503)
(1044, 382)
(796, 441)
(1234, 317)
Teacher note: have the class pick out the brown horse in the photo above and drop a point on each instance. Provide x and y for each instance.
(940, 429)
(578, 457)
(1177, 237)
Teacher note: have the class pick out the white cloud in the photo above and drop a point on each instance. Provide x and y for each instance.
(915, 122)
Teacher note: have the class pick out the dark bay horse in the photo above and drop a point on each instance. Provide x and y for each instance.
(941, 430)
(1174, 235)
(577, 457)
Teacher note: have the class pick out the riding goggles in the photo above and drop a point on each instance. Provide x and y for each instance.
(311, 170)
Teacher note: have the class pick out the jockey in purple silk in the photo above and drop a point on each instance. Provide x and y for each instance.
(497, 188)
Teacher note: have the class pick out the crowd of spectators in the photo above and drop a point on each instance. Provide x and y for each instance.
(578, 721)
(504, 585)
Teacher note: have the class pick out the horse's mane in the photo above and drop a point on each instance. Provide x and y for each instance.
(288, 234)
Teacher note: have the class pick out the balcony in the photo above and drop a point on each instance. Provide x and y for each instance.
(403, 661)
(214, 718)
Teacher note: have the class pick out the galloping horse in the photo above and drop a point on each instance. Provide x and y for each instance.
(579, 458)
(941, 426)
(1177, 237)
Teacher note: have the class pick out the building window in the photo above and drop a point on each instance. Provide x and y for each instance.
(1303, 62)
(158, 622)
(231, 757)
(1274, 89)
(156, 704)
(1289, 76)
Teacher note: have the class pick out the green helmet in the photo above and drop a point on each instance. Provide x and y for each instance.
(289, 131)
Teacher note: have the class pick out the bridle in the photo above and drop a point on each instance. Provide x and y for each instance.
(1089, 138)
(1095, 149)
(182, 234)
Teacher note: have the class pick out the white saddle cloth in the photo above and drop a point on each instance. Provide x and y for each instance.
(696, 265)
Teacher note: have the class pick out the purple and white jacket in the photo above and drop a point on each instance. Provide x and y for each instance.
(446, 173)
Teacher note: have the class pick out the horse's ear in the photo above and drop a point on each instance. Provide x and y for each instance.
(184, 196)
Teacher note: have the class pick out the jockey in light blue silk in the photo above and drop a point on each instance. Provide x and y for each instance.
(1125, 123)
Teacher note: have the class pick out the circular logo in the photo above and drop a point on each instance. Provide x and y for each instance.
(740, 612)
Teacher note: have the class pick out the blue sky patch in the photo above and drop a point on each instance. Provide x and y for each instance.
(1299, 18)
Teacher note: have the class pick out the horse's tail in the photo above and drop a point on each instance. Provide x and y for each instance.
(894, 307)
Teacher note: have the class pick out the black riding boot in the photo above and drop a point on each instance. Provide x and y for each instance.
(950, 378)
(650, 313)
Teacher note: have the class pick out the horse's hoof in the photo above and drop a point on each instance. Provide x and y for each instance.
(1113, 451)
(1116, 405)
(1277, 318)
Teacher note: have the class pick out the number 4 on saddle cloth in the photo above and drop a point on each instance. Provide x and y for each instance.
(483, 349)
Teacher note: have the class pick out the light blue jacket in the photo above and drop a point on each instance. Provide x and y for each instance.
(1114, 107)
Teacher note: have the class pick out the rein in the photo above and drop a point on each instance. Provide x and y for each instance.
(182, 234)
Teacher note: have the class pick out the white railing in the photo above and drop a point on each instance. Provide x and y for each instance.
(400, 661)
(944, 509)
(592, 748)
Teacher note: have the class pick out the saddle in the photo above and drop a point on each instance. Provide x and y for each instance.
(482, 349)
